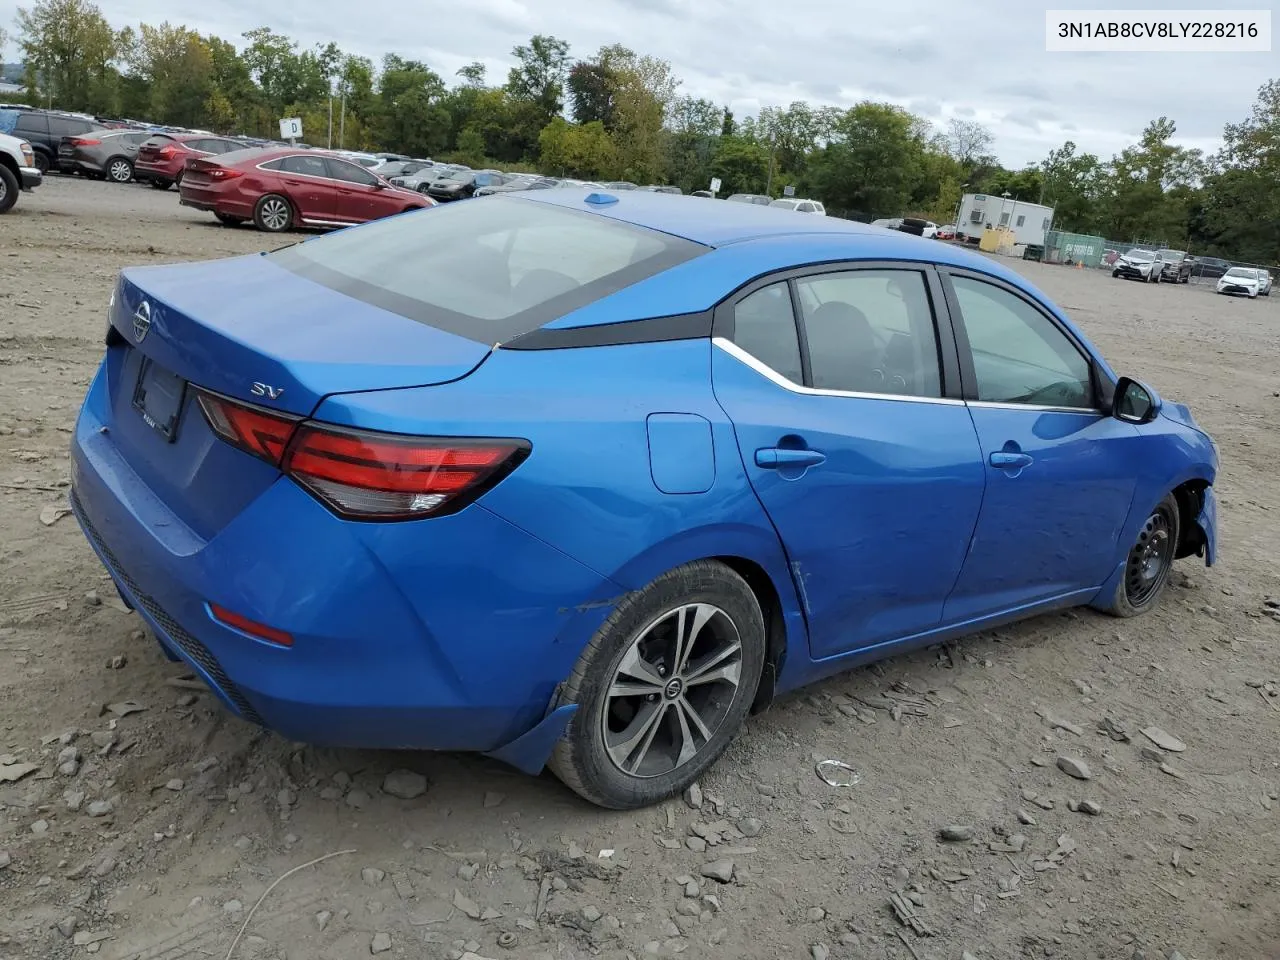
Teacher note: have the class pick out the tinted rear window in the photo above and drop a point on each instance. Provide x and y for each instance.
(495, 268)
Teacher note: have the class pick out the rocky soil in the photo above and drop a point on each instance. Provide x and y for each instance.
(1072, 787)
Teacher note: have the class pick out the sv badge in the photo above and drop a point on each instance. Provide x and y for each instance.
(266, 390)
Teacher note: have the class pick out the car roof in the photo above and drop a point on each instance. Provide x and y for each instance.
(712, 226)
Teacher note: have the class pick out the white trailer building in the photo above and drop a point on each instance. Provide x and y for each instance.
(1028, 221)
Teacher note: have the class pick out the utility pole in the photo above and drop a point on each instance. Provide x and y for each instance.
(342, 118)
(329, 146)
(768, 186)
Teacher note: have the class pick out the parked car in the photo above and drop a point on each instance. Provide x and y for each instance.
(18, 170)
(758, 199)
(1138, 264)
(919, 228)
(888, 223)
(398, 168)
(517, 186)
(461, 184)
(44, 130)
(1265, 289)
(285, 188)
(453, 564)
(1175, 266)
(653, 188)
(1210, 267)
(1241, 281)
(945, 232)
(619, 185)
(107, 154)
(162, 157)
(367, 160)
(800, 205)
(706, 194)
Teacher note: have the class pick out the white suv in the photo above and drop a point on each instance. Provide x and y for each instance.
(800, 205)
(17, 170)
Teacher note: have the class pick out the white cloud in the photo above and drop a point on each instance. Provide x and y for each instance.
(983, 59)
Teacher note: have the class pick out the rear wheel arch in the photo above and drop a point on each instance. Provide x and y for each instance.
(775, 624)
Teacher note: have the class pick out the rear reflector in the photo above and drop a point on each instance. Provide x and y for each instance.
(361, 474)
(381, 476)
(252, 627)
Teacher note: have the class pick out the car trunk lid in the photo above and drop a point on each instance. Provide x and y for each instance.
(248, 330)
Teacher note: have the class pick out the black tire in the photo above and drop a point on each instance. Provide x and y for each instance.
(8, 189)
(161, 184)
(41, 162)
(266, 217)
(229, 220)
(581, 759)
(422, 188)
(1140, 588)
(1115, 273)
(118, 170)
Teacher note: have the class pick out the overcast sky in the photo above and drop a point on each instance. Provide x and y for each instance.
(980, 59)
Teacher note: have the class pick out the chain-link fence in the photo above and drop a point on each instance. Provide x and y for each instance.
(1084, 250)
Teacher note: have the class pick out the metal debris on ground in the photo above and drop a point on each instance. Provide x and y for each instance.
(837, 773)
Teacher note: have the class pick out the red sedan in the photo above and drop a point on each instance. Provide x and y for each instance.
(162, 159)
(279, 188)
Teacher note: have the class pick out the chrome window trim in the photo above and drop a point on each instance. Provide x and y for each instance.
(769, 373)
(1039, 408)
(285, 173)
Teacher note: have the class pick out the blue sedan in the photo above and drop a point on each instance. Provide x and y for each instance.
(580, 480)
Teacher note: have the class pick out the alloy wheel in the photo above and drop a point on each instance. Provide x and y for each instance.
(120, 171)
(1150, 559)
(275, 214)
(4, 192)
(672, 690)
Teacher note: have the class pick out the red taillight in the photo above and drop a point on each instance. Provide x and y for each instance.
(389, 477)
(221, 173)
(84, 142)
(362, 474)
(167, 151)
(251, 627)
(263, 433)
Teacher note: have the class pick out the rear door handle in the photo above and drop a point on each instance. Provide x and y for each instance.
(774, 457)
(1010, 461)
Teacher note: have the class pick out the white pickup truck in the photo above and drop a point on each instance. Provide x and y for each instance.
(17, 170)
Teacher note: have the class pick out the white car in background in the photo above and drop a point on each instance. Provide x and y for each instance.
(800, 205)
(1265, 289)
(1241, 280)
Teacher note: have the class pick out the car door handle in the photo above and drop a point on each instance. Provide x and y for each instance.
(1010, 461)
(774, 457)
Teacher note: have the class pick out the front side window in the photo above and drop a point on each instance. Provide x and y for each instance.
(871, 331)
(305, 166)
(1019, 354)
(499, 269)
(764, 325)
(350, 172)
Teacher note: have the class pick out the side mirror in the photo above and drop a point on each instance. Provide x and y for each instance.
(1134, 402)
(381, 185)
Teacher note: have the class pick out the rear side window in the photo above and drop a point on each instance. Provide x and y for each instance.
(764, 325)
(32, 123)
(871, 331)
(498, 269)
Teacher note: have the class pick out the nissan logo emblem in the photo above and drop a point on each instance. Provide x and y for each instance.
(141, 321)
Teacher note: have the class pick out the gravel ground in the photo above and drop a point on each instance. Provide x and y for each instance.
(154, 834)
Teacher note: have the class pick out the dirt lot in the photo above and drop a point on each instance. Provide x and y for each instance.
(160, 830)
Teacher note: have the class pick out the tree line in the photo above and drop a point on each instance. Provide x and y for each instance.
(619, 114)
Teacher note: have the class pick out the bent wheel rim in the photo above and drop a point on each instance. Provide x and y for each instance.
(1149, 560)
(275, 214)
(672, 690)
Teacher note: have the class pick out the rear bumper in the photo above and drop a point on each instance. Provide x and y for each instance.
(446, 634)
(155, 171)
(30, 177)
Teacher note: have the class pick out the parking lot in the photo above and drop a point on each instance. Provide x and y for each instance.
(176, 818)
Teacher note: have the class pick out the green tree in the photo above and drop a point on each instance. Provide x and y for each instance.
(871, 165)
(967, 141)
(1147, 189)
(471, 146)
(69, 49)
(1241, 202)
(741, 164)
(1072, 182)
(644, 90)
(412, 115)
(591, 86)
(539, 74)
(473, 74)
(177, 66)
(577, 150)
